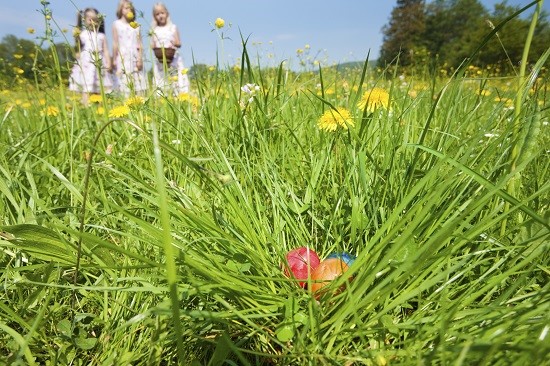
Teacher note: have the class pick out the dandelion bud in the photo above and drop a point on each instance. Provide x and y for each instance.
(219, 23)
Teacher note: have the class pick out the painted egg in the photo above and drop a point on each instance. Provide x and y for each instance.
(346, 257)
(326, 271)
(301, 262)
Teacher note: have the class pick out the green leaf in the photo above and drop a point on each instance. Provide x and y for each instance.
(285, 333)
(85, 343)
(387, 322)
(65, 328)
(38, 241)
(301, 318)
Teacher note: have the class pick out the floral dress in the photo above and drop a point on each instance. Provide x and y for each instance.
(174, 79)
(85, 77)
(128, 78)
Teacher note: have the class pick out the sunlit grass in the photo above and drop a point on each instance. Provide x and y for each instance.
(193, 201)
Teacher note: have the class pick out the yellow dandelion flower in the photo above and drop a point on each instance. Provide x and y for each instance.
(50, 111)
(129, 16)
(188, 98)
(184, 97)
(134, 24)
(100, 111)
(17, 56)
(120, 111)
(330, 91)
(135, 101)
(373, 99)
(299, 51)
(184, 71)
(174, 78)
(332, 119)
(95, 98)
(71, 97)
(30, 30)
(26, 105)
(508, 102)
(219, 23)
(484, 92)
(76, 32)
(18, 70)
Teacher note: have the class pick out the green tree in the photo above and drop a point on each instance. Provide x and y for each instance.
(24, 59)
(403, 33)
(17, 56)
(506, 48)
(454, 28)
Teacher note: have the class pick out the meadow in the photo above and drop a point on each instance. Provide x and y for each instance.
(153, 230)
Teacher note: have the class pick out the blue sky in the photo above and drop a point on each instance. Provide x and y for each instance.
(335, 31)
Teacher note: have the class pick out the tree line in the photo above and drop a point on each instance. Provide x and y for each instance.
(22, 59)
(441, 34)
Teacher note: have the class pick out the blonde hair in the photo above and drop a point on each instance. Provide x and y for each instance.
(163, 7)
(121, 4)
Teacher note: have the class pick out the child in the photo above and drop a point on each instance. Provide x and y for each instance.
(90, 73)
(128, 50)
(169, 77)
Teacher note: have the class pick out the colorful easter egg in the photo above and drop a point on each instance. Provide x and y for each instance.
(301, 262)
(326, 271)
(346, 257)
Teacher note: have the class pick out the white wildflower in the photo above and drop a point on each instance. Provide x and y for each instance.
(251, 90)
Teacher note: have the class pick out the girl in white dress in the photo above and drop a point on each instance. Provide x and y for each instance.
(90, 73)
(169, 78)
(128, 51)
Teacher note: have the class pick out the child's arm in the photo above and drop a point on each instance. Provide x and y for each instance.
(153, 38)
(139, 61)
(176, 42)
(77, 47)
(106, 56)
(115, 46)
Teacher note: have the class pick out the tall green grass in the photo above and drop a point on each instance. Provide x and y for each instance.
(189, 212)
